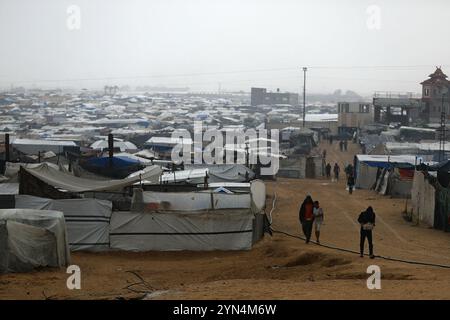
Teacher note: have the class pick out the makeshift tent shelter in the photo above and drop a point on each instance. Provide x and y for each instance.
(31, 239)
(116, 167)
(87, 220)
(69, 183)
(190, 221)
(396, 182)
(299, 166)
(369, 167)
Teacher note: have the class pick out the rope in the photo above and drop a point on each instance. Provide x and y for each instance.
(356, 252)
(429, 264)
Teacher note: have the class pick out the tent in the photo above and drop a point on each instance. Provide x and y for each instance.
(32, 238)
(116, 162)
(87, 220)
(70, 183)
(225, 172)
(190, 221)
(368, 167)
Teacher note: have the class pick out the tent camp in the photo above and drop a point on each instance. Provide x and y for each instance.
(87, 220)
(32, 238)
(190, 221)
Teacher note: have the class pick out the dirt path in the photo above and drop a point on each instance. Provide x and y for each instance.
(278, 267)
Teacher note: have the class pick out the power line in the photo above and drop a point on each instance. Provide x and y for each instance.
(380, 67)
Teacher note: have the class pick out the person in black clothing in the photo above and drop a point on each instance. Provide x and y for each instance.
(328, 170)
(350, 183)
(345, 144)
(306, 217)
(367, 221)
(336, 171)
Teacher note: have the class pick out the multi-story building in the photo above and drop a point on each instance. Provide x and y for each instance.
(260, 96)
(436, 95)
(353, 115)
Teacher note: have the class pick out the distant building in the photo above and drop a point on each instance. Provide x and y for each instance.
(407, 108)
(353, 115)
(435, 95)
(395, 107)
(260, 96)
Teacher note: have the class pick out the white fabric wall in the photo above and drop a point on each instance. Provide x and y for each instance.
(422, 200)
(87, 219)
(195, 201)
(137, 231)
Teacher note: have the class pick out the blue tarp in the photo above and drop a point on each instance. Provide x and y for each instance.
(117, 162)
(387, 165)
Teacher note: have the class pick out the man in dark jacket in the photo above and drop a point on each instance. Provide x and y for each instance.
(367, 221)
(306, 217)
(350, 183)
(328, 170)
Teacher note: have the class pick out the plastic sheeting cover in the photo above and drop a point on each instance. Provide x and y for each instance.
(136, 231)
(71, 183)
(87, 220)
(31, 239)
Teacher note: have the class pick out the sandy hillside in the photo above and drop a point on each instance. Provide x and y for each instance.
(278, 267)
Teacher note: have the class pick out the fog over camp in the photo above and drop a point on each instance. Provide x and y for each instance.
(231, 157)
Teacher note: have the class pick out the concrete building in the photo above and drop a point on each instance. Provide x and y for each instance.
(260, 96)
(435, 95)
(354, 115)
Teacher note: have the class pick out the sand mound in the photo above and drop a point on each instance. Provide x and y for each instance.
(331, 262)
(312, 257)
(305, 259)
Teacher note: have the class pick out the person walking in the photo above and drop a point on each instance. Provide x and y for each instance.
(367, 221)
(328, 170)
(350, 183)
(341, 145)
(306, 216)
(318, 219)
(345, 144)
(336, 171)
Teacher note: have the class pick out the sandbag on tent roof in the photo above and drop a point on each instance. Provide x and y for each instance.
(31, 239)
(71, 183)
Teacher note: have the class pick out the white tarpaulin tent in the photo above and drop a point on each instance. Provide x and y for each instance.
(68, 182)
(87, 220)
(31, 239)
(188, 221)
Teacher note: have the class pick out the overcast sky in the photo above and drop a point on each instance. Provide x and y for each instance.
(236, 44)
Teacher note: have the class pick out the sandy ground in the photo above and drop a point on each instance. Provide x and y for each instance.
(278, 267)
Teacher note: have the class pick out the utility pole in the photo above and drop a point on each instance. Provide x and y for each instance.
(442, 132)
(304, 95)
